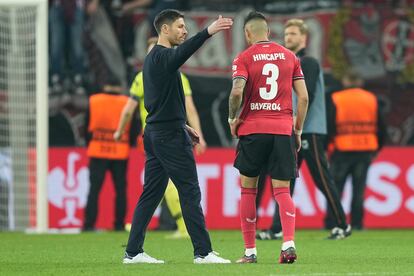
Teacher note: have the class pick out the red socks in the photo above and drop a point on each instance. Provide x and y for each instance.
(248, 216)
(286, 211)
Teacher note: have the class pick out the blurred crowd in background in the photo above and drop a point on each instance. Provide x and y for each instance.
(90, 41)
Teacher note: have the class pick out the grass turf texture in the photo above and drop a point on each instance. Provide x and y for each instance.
(364, 253)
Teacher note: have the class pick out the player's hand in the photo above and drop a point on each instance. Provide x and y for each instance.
(222, 23)
(117, 135)
(234, 126)
(201, 147)
(193, 135)
(298, 141)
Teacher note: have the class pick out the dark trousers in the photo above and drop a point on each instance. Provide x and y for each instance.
(354, 164)
(314, 153)
(169, 155)
(97, 170)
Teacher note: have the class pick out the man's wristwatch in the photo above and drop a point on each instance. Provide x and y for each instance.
(231, 120)
(298, 131)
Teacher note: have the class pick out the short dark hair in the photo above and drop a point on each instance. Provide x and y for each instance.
(113, 80)
(254, 15)
(166, 17)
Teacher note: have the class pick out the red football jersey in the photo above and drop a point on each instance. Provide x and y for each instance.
(269, 70)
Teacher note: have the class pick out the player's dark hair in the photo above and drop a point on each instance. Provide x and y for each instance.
(254, 15)
(166, 17)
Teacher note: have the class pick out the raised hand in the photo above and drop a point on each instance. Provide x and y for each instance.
(222, 23)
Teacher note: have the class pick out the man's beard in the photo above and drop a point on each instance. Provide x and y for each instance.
(293, 48)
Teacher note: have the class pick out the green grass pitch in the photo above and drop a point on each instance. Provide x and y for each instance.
(370, 252)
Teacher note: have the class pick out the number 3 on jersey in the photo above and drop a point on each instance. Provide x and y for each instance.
(272, 71)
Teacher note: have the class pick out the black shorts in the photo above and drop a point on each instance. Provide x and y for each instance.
(276, 153)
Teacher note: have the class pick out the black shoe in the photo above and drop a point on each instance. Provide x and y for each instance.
(288, 256)
(338, 233)
(269, 235)
(252, 259)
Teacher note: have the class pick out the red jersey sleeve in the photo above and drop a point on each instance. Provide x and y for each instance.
(297, 72)
(239, 68)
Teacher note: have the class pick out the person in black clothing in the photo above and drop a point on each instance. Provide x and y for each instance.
(313, 137)
(168, 140)
(357, 131)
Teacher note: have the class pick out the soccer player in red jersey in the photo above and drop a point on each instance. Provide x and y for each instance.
(263, 78)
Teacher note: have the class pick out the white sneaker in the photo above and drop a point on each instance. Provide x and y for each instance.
(211, 258)
(141, 258)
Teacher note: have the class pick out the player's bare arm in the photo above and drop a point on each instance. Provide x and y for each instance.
(235, 100)
(126, 116)
(302, 95)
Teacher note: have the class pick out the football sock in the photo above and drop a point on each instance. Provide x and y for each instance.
(250, 251)
(286, 211)
(248, 216)
(173, 203)
(288, 244)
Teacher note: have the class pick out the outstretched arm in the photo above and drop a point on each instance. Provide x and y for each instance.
(183, 52)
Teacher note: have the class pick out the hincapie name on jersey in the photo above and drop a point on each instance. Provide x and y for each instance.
(273, 56)
(265, 106)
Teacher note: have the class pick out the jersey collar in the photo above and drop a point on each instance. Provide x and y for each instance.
(263, 42)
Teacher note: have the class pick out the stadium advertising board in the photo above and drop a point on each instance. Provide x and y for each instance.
(389, 199)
